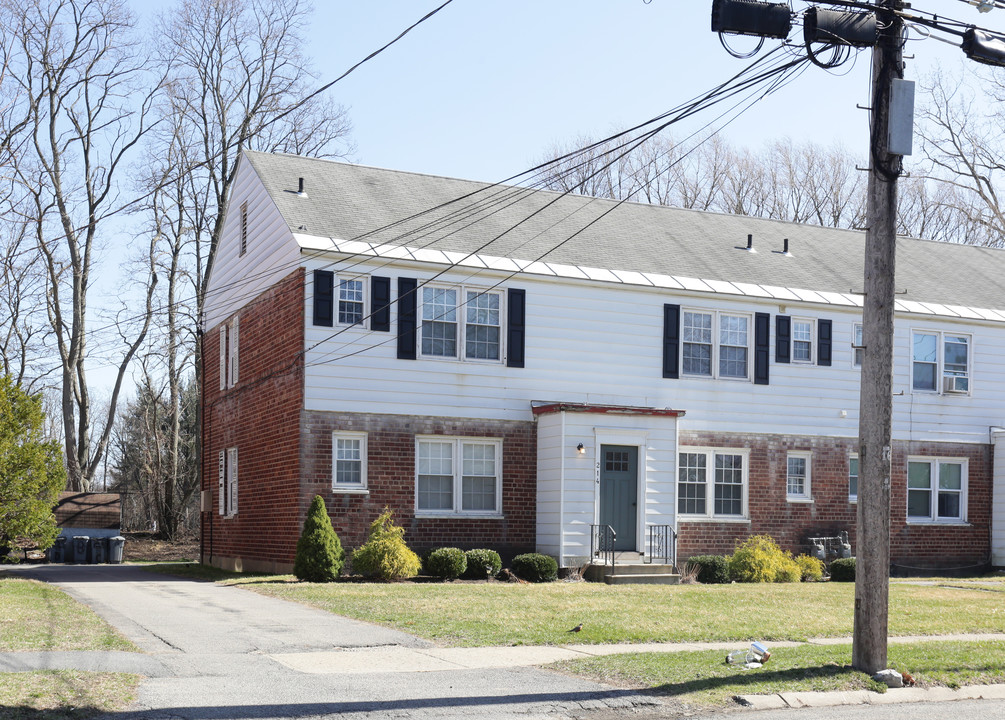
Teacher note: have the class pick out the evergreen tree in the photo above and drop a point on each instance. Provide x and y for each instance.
(32, 473)
(319, 552)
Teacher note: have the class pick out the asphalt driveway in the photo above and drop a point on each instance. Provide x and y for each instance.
(222, 652)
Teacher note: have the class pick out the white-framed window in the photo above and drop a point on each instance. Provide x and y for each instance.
(802, 340)
(853, 478)
(461, 322)
(857, 346)
(936, 489)
(940, 362)
(458, 476)
(715, 344)
(797, 477)
(351, 300)
(223, 357)
(349, 461)
(712, 483)
(227, 482)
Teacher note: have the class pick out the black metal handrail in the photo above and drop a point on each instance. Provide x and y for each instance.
(662, 544)
(602, 539)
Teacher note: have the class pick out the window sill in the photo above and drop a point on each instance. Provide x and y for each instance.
(710, 519)
(799, 500)
(456, 516)
(938, 523)
(350, 491)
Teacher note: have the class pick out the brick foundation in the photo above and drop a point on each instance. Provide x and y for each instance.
(913, 547)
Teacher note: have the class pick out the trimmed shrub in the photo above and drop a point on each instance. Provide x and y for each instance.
(812, 568)
(482, 564)
(759, 559)
(447, 563)
(843, 570)
(384, 555)
(320, 556)
(535, 567)
(712, 569)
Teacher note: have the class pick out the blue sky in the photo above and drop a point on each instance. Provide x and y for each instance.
(483, 88)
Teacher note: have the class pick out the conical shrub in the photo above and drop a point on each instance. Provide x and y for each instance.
(385, 555)
(320, 556)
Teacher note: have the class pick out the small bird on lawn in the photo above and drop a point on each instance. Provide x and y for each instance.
(577, 628)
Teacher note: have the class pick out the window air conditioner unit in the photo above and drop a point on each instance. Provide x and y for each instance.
(956, 384)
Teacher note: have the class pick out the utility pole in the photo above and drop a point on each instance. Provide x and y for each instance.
(872, 570)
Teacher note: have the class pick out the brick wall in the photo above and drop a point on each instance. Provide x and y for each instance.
(391, 480)
(914, 547)
(260, 416)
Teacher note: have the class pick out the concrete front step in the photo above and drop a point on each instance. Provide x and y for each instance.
(633, 573)
(653, 579)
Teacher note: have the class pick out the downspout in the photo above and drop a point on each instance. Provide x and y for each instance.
(561, 497)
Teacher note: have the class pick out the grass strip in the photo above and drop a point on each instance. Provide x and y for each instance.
(37, 616)
(64, 694)
(704, 679)
(472, 615)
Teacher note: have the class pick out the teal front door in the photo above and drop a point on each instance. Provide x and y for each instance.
(619, 469)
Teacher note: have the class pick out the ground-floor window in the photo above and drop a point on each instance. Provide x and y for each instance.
(797, 477)
(936, 489)
(712, 483)
(458, 476)
(227, 482)
(348, 461)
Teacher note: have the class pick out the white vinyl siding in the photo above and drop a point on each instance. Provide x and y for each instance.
(936, 490)
(712, 483)
(458, 476)
(797, 477)
(349, 456)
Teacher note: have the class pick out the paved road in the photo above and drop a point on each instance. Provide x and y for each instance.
(222, 652)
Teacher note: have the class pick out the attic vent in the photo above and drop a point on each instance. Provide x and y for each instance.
(750, 245)
(300, 188)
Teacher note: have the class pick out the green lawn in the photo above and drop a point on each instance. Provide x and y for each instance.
(37, 616)
(462, 614)
(703, 678)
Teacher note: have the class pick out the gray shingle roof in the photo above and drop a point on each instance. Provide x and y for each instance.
(349, 202)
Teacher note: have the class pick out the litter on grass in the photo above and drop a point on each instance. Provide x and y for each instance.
(750, 659)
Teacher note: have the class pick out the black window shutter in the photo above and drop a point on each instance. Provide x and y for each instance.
(783, 337)
(380, 303)
(671, 341)
(324, 297)
(823, 342)
(406, 318)
(762, 347)
(516, 316)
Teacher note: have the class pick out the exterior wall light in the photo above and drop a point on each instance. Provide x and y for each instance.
(580, 449)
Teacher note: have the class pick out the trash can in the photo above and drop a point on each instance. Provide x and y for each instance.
(115, 548)
(57, 553)
(80, 548)
(97, 550)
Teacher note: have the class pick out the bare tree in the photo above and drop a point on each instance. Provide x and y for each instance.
(74, 107)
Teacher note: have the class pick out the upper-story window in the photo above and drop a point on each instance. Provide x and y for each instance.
(802, 340)
(715, 344)
(940, 362)
(460, 323)
(857, 349)
(351, 292)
